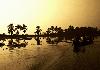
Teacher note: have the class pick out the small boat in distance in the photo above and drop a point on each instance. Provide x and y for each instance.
(82, 41)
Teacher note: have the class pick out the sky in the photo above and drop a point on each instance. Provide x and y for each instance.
(46, 13)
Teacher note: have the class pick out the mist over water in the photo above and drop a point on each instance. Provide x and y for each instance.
(49, 55)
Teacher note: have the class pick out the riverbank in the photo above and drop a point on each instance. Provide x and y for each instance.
(50, 56)
(63, 58)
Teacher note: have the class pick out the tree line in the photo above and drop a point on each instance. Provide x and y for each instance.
(71, 31)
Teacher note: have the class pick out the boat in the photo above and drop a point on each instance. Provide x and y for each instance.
(83, 41)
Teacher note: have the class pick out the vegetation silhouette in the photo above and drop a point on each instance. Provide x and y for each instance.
(54, 40)
(56, 31)
(38, 40)
(79, 49)
(38, 31)
(19, 27)
(11, 29)
(80, 36)
(16, 44)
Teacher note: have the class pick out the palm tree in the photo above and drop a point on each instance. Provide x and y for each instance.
(60, 31)
(17, 33)
(56, 29)
(11, 29)
(71, 31)
(52, 29)
(38, 30)
(71, 28)
(24, 28)
(19, 27)
(48, 31)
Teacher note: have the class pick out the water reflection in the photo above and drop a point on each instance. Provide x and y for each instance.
(13, 43)
(54, 40)
(38, 40)
(22, 42)
(22, 54)
(79, 49)
(16, 44)
(2, 42)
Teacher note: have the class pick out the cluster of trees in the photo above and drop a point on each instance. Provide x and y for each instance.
(71, 31)
(50, 31)
(56, 31)
(16, 29)
(81, 31)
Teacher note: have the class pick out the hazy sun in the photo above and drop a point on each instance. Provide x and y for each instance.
(48, 12)
(29, 12)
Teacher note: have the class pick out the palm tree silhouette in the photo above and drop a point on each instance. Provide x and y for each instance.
(52, 29)
(48, 31)
(11, 29)
(38, 31)
(71, 28)
(56, 29)
(19, 27)
(24, 28)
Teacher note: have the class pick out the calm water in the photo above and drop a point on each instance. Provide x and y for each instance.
(47, 56)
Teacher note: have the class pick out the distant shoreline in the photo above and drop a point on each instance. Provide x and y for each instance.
(29, 36)
(24, 36)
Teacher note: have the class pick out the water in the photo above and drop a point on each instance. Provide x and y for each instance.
(55, 56)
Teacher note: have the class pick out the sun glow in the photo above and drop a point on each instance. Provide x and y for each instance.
(29, 12)
(48, 12)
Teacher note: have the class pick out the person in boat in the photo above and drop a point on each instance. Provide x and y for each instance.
(84, 40)
(76, 43)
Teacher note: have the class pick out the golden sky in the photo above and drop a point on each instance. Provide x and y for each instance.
(49, 12)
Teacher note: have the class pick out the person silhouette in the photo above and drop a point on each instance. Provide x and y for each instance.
(76, 44)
